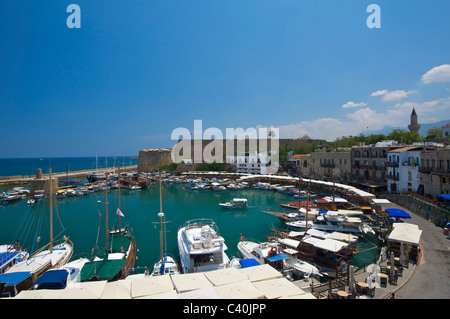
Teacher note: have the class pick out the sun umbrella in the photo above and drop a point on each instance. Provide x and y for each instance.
(392, 273)
(402, 253)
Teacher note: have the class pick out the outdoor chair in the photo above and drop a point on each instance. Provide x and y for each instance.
(393, 280)
(370, 292)
(383, 269)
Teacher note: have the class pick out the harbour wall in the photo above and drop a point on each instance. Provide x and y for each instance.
(26, 179)
(437, 215)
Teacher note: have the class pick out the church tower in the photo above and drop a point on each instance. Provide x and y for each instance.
(414, 126)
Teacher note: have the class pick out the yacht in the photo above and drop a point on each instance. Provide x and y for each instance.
(201, 247)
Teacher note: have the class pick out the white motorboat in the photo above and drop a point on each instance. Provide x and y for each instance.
(258, 251)
(201, 247)
(235, 203)
(300, 267)
(61, 278)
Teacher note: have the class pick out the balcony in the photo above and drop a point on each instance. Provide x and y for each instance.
(391, 164)
(391, 177)
(327, 165)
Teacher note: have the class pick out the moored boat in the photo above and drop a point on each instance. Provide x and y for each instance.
(201, 247)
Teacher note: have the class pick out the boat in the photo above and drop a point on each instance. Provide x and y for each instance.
(261, 252)
(166, 265)
(31, 201)
(300, 267)
(10, 255)
(115, 259)
(61, 278)
(235, 203)
(55, 254)
(201, 247)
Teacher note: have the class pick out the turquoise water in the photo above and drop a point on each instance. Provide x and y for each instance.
(80, 217)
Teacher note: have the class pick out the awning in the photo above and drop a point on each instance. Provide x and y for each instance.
(397, 213)
(407, 233)
(53, 279)
(445, 196)
(277, 257)
(250, 262)
(14, 278)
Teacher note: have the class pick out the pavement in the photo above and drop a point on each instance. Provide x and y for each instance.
(429, 279)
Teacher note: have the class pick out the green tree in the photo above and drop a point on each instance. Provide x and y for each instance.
(405, 136)
(434, 132)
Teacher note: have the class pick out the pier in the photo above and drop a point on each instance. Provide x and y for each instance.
(25, 179)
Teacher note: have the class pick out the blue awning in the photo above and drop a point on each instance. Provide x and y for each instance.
(278, 257)
(14, 278)
(53, 277)
(397, 213)
(445, 196)
(245, 263)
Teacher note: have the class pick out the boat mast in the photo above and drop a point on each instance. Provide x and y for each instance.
(161, 216)
(118, 181)
(107, 230)
(51, 209)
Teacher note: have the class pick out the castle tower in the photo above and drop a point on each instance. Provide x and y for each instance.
(414, 126)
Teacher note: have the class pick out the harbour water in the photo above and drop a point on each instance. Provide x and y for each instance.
(80, 216)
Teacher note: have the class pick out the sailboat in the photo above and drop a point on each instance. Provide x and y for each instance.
(55, 254)
(115, 260)
(166, 265)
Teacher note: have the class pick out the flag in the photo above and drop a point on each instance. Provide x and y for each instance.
(100, 215)
(118, 212)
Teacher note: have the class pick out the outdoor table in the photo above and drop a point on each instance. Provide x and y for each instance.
(363, 284)
(342, 294)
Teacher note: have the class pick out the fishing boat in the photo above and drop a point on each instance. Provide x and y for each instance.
(201, 247)
(115, 260)
(166, 265)
(235, 203)
(10, 255)
(55, 254)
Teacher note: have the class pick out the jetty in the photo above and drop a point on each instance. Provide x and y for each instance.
(25, 179)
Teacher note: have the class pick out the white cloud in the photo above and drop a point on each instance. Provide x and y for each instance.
(379, 92)
(352, 104)
(397, 95)
(437, 74)
(358, 121)
(393, 95)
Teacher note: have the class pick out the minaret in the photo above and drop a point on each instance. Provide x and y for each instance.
(414, 126)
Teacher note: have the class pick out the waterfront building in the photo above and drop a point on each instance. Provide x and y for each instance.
(250, 163)
(369, 165)
(330, 165)
(435, 172)
(402, 169)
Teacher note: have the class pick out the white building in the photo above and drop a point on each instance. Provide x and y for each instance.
(250, 163)
(402, 172)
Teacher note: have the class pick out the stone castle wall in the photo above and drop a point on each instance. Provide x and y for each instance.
(150, 159)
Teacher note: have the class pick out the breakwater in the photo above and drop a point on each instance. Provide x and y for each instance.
(25, 179)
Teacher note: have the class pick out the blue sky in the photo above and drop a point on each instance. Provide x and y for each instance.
(137, 70)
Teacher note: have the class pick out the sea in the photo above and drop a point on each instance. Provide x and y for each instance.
(82, 219)
(28, 166)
